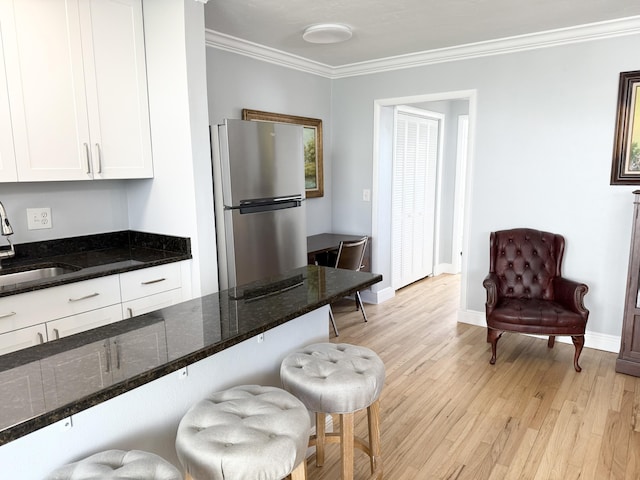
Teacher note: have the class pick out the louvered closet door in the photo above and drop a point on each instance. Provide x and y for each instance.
(414, 194)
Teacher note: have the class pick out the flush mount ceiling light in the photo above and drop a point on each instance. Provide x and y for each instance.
(327, 33)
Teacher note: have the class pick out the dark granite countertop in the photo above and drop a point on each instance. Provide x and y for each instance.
(93, 256)
(181, 335)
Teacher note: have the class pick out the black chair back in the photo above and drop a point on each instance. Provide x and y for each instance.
(351, 254)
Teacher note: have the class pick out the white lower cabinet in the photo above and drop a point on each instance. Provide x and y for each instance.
(82, 371)
(21, 394)
(63, 327)
(22, 338)
(138, 351)
(34, 308)
(150, 289)
(44, 315)
(92, 367)
(143, 305)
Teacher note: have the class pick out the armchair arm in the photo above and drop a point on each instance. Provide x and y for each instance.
(491, 284)
(571, 294)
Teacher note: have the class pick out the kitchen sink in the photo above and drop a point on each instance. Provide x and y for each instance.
(13, 277)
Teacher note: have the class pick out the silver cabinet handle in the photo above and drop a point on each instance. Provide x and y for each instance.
(107, 353)
(99, 151)
(88, 155)
(149, 282)
(91, 295)
(130, 310)
(117, 355)
(40, 338)
(6, 315)
(56, 334)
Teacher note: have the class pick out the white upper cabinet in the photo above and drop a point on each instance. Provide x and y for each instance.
(77, 88)
(7, 154)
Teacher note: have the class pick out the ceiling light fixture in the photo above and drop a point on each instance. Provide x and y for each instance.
(327, 33)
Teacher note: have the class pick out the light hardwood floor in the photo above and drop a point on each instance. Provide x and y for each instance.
(447, 414)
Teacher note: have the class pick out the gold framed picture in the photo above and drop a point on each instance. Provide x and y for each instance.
(625, 167)
(312, 140)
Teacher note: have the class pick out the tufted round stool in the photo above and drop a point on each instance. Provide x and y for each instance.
(244, 432)
(339, 379)
(116, 465)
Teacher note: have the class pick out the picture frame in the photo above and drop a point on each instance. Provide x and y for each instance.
(625, 167)
(312, 138)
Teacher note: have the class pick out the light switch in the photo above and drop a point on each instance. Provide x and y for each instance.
(366, 195)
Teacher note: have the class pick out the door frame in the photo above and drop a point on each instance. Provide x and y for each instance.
(380, 209)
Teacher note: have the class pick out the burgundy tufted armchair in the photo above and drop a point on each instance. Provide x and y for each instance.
(526, 292)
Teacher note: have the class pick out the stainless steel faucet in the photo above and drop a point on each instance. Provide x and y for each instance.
(6, 229)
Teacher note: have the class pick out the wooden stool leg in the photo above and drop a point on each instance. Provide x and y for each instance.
(300, 472)
(346, 442)
(374, 435)
(320, 440)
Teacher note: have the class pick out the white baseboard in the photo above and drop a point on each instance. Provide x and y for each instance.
(599, 341)
(444, 268)
(377, 297)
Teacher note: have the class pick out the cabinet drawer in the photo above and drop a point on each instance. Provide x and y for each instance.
(149, 281)
(82, 322)
(23, 338)
(27, 309)
(150, 303)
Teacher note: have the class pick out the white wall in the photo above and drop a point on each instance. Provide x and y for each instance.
(543, 143)
(77, 208)
(236, 82)
(179, 200)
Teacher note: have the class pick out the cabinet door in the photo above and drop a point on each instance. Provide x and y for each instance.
(138, 351)
(22, 338)
(143, 305)
(116, 85)
(75, 373)
(43, 57)
(64, 327)
(7, 154)
(21, 394)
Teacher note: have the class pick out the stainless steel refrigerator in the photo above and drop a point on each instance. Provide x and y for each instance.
(258, 186)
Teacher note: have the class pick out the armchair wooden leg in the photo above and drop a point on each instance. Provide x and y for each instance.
(578, 342)
(492, 337)
(552, 341)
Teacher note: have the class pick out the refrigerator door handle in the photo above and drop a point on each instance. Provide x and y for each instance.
(266, 205)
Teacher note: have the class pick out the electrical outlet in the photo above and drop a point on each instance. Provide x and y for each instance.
(38, 218)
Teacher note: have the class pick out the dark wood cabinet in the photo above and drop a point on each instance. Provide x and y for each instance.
(629, 358)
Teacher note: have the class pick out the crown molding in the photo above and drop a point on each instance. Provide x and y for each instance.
(232, 44)
(546, 39)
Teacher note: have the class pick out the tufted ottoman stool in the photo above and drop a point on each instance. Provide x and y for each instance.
(339, 379)
(246, 432)
(116, 465)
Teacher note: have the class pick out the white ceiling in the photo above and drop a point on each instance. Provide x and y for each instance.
(389, 28)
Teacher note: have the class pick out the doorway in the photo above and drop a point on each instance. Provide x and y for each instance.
(452, 210)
